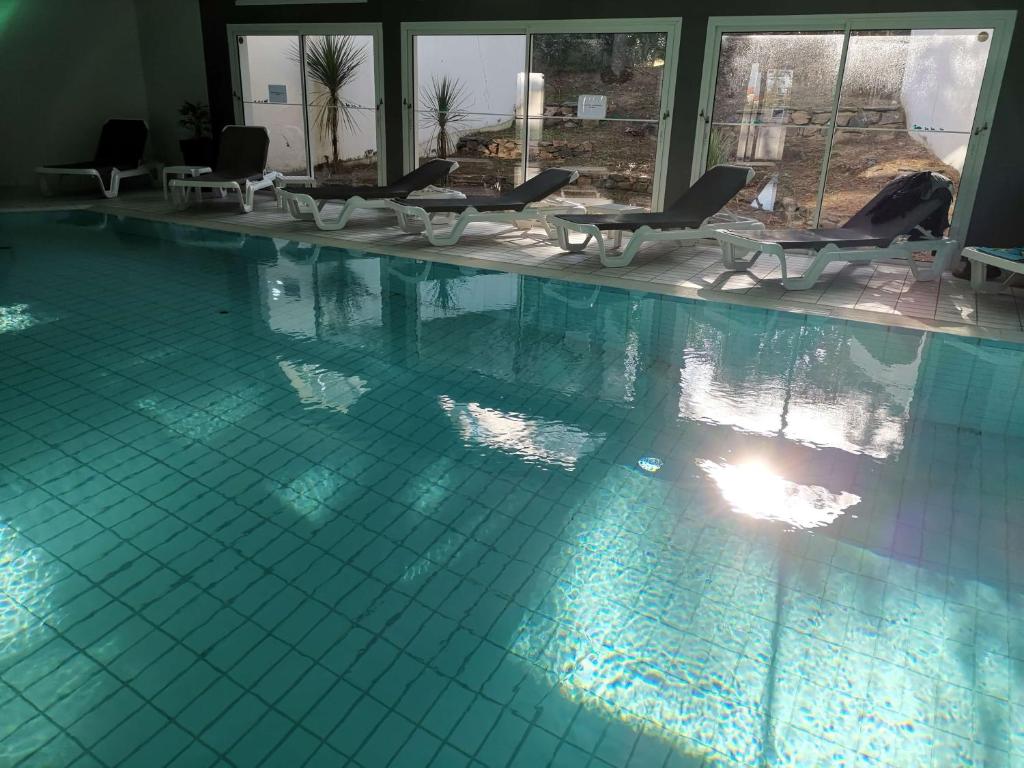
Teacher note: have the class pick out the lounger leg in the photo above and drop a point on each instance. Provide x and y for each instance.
(180, 196)
(623, 258)
(405, 222)
(245, 200)
(566, 245)
(44, 185)
(808, 278)
(732, 260)
(452, 236)
(979, 273)
(337, 223)
(115, 185)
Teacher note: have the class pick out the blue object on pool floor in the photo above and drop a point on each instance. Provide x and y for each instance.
(649, 464)
(387, 513)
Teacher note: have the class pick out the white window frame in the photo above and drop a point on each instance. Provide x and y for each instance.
(373, 30)
(669, 25)
(1000, 22)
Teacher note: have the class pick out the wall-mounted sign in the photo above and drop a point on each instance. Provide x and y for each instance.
(592, 107)
(277, 94)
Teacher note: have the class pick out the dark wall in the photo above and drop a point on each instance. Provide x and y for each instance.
(1000, 201)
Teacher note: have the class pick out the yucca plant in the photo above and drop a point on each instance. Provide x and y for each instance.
(332, 62)
(444, 108)
(721, 147)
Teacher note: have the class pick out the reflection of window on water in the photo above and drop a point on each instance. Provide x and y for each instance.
(533, 439)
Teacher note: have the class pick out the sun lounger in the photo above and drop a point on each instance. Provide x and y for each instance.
(690, 218)
(908, 215)
(1010, 260)
(522, 206)
(307, 204)
(118, 156)
(241, 168)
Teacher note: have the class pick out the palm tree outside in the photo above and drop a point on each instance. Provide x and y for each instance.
(444, 108)
(332, 62)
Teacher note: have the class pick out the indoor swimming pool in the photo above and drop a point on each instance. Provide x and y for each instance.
(267, 503)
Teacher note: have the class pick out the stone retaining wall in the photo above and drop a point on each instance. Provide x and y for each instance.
(861, 117)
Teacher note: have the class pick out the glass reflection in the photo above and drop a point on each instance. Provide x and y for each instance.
(537, 440)
(322, 388)
(17, 317)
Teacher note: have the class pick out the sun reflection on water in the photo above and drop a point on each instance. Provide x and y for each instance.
(732, 654)
(752, 489)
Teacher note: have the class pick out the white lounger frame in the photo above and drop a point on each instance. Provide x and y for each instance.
(735, 246)
(642, 235)
(146, 169)
(615, 255)
(415, 220)
(979, 274)
(304, 207)
(183, 189)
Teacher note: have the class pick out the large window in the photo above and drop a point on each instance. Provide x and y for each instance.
(509, 101)
(827, 116)
(317, 95)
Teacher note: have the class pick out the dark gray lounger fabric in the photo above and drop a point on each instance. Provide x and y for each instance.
(905, 206)
(705, 198)
(429, 173)
(545, 183)
(122, 144)
(242, 154)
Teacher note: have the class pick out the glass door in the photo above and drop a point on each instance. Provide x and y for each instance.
(507, 100)
(827, 118)
(273, 96)
(772, 110)
(595, 104)
(318, 96)
(908, 103)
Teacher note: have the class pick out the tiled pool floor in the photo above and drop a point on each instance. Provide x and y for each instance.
(269, 504)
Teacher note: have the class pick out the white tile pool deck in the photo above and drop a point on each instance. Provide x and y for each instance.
(883, 292)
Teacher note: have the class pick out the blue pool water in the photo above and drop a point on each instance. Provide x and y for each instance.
(268, 504)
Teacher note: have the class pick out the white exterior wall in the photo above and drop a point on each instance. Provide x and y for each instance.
(941, 85)
(266, 60)
(488, 67)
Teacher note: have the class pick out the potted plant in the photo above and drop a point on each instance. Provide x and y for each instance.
(199, 148)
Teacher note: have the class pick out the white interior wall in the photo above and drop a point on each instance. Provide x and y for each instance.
(173, 66)
(69, 66)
